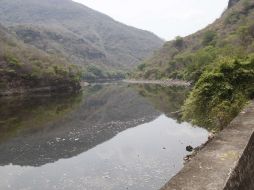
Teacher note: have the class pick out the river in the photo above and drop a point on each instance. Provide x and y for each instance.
(108, 137)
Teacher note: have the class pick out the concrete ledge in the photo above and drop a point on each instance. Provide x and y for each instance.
(226, 163)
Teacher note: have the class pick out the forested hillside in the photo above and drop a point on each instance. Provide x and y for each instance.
(78, 34)
(218, 59)
(23, 67)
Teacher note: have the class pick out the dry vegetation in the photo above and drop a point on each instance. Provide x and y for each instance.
(22, 66)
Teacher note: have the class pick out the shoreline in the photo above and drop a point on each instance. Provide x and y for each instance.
(39, 90)
(168, 82)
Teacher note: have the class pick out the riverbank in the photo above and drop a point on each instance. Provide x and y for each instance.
(225, 163)
(168, 82)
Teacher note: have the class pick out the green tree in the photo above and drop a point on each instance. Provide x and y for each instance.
(209, 38)
(179, 42)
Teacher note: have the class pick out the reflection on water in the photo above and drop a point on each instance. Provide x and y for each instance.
(109, 137)
(166, 99)
(31, 114)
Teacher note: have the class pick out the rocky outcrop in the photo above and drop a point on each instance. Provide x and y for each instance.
(232, 3)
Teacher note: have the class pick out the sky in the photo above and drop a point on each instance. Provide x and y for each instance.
(165, 18)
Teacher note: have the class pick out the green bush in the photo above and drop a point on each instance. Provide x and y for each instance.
(12, 61)
(141, 66)
(179, 42)
(199, 61)
(220, 93)
(209, 38)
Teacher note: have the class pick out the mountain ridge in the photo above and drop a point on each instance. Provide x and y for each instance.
(81, 35)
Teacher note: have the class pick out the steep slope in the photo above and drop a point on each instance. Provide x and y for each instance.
(81, 35)
(24, 68)
(219, 60)
(186, 58)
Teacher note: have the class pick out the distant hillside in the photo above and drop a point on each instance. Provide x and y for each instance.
(77, 33)
(186, 58)
(24, 68)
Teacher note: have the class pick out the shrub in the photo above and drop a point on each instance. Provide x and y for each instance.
(209, 38)
(233, 18)
(245, 35)
(96, 71)
(12, 61)
(178, 43)
(220, 93)
(141, 66)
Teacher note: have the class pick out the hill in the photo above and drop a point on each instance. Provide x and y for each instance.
(78, 34)
(219, 60)
(186, 58)
(24, 68)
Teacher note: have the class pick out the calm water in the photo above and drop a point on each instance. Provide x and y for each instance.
(112, 137)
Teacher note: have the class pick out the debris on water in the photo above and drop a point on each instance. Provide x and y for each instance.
(58, 139)
(189, 148)
(106, 177)
(187, 158)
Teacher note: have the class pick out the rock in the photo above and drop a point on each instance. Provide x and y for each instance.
(189, 148)
(187, 158)
(211, 136)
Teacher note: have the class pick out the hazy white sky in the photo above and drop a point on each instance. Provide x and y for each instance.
(166, 18)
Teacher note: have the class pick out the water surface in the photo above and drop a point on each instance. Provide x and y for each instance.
(109, 137)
